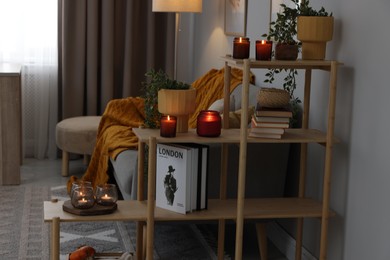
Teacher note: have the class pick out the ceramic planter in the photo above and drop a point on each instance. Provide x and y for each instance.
(286, 51)
(179, 103)
(314, 32)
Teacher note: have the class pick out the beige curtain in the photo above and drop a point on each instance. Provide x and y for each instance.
(105, 49)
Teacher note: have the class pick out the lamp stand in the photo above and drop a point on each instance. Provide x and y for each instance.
(177, 30)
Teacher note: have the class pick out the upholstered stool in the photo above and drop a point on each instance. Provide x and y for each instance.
(76, 135)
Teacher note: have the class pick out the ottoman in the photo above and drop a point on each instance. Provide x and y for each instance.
(76, 135)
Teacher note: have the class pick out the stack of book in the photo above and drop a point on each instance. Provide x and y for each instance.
(181, 177)
(270, 122)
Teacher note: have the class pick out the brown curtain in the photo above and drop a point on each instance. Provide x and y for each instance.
(105, 49)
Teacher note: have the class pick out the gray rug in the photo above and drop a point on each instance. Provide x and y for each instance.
(172, 240)
(23, 235)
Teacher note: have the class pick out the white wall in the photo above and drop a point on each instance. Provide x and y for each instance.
(361, 171)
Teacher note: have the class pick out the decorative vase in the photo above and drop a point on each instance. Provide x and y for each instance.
(314, 32)
(286, 51)
(179, 103)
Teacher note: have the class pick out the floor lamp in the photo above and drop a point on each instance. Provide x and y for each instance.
(177, 6)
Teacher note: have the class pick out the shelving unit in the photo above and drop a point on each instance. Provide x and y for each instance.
(240, 209)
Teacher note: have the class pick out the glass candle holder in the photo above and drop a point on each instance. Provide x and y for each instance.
(263, 50)
(241, 46)
(168, 126)
(79, 184)
(209, 123)
(83, 197)
(106, 195)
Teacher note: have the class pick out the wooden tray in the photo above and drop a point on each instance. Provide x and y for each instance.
(95, 210)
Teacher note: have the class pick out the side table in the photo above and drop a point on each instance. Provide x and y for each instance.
(128, 210)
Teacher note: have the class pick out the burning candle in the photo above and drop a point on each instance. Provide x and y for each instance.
(209, 123)
(263, 50)
(106, 195)
(168, 126)
(83, 201)
(83, 197)
(241, 48)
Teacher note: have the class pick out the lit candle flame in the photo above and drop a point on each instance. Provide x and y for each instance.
(263, 42)
(240, 39)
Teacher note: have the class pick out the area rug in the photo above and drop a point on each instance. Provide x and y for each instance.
(23, 235)
(172, 240)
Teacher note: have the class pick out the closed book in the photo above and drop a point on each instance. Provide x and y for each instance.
(264, 135)
(173, 177)
(264, 124)
(271, 119)
(274, 112)
(200, 189)
(266, 130)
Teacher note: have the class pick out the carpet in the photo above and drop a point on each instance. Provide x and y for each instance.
(172, 240)
(23, 235)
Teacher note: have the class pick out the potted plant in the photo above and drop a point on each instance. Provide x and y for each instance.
(283, 32)
(314, 30)
(167, 96)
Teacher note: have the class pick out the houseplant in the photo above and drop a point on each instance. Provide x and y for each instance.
(283, 32)
(314, 30)
(167, 96)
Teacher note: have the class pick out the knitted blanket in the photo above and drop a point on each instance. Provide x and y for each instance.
(114, 136)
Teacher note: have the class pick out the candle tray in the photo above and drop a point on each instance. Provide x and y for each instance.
(95, 210)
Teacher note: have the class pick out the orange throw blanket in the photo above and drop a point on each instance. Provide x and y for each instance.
(114, 136)
(121, 115)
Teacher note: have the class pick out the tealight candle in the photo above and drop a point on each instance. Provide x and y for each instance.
(106, 194)
(168, 126)
(83, 197)
(241, 46)
(263, 50)
(209, 123)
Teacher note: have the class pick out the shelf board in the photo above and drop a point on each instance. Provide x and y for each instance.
(263, 208)
(281, 64)
(127, 210)
(292, 135)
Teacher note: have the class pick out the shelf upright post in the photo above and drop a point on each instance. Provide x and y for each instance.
(224, 158)
(328, 160)
(140, 196)
(151, 198)
(242, 160)
(303, 161)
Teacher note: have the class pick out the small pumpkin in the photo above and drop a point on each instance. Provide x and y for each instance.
(83, 253)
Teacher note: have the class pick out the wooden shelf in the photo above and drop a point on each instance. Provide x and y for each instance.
(281, 64)
(233, 136)
(241, 208)
(217, 209)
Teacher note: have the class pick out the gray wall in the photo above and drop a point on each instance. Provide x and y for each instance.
(360, 180)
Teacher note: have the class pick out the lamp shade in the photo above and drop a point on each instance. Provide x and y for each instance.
(177, 6)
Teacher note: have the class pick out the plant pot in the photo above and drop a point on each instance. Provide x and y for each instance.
(286, 51)
(179, 103)
(314, 32)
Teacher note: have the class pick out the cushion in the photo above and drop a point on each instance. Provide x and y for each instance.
(218, 105)
(235, 117)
